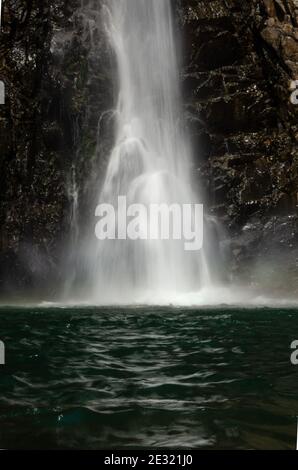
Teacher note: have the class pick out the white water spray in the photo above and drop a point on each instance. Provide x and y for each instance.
(150, 162)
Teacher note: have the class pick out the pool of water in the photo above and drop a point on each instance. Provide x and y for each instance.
(92, 378)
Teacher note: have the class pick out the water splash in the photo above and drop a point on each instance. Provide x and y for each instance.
(151, 162)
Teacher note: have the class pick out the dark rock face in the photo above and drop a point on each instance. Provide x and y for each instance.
(240, 63)
(240, 57)
(56, 89)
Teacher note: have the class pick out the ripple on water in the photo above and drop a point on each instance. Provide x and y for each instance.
(90, 378)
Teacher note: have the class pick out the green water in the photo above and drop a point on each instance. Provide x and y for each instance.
(91, 378)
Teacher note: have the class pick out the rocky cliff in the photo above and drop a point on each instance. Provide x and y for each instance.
(239, 61)
(56, 89)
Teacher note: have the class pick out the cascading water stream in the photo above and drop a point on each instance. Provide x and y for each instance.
(150, 162)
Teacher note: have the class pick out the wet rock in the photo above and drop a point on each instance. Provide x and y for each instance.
(248, 165)
(56, 92)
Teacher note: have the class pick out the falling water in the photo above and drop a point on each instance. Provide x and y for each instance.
(150, 162)
(73, 197)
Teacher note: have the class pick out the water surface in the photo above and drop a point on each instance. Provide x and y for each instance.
(91, 378)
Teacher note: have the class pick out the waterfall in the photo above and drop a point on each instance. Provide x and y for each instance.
(150, 163)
